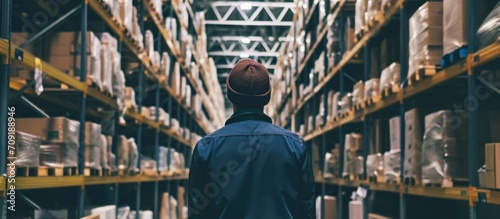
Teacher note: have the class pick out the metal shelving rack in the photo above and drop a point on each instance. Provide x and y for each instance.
(361, 115)
(11, 53)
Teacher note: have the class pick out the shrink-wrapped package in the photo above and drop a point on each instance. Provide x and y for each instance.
(106, 68)
(392, 165)
(358, 93)
(352, 149)
(359, 166)
(123, 153)
(413, 146)
(426, 40)
(27, 149)
(372, 88)
(395, 133)
(373, 8)
(332, 164)
(374, 165)
(454, 25)
(171, 25)
(133, 156)
(136, 29)
(359, 21)
(346, 104)
(104, 154)
(489, 31)
(59, 137)
(149, 45)
(390, 77)
(119, 89)
(92, 145)
(158, 8)
(126, 14)
(148, 164)
(444, 148)
(129, 98)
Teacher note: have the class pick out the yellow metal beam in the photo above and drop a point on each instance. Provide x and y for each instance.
(29, 61)
(486, 55)
(23, 183)
(445, 193)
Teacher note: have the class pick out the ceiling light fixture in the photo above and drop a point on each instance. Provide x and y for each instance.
(245, 40)
(244, 55)
(246, 6)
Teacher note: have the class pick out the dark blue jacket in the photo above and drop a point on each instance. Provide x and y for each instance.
(251, 169)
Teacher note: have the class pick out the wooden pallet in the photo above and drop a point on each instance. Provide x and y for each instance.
(391, 181)
(412, 181)
(387, 6)
(70, 171)
(389, 91)
(46, 171)
(448, 183)
(109, 172)
(89, 171)
(376, 179)
(359, 106)
(423, 72)
(149, 172)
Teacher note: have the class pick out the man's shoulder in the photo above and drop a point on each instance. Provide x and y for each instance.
(259, 128)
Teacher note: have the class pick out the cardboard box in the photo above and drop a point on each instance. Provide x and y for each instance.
(492, 155)
(58, 130)
(377, 216)
(356, 210)
(395, 133)
(330, 206)
(71, 66)
(69, 43)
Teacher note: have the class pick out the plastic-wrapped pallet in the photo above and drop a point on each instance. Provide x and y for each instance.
(331, 167)
(92, 145)
(444, 148)
(454, 25)
(149, 45)
(426, 36)
(395, 133)
(352, 148)
(105, 212)
(165, 65)
(373, 8)
(359, 166)
(359, 21)
(123, 152)
(346, 103)
(148, 164)
(133, 156)
(489, 30)
(158, 7)
(126, 13)
(103, 146)
(358, 93)
(163, 159)
(27, 149)
(59, 137)
(372, 88)
(130, 98)
(413, 146)
(333, 104)
(374, 165)
(106, 67)
(119, 89)
(136, 30)
(171, 25)
(392, 165)
(390, 77)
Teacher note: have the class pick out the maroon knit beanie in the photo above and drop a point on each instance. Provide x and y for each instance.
(248, 85)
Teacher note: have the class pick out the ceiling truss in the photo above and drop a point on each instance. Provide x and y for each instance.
(261, 14)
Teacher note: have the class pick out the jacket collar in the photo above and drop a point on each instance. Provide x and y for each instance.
(248, 114)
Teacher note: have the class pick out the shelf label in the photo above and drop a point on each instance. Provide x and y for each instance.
(481, 196)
